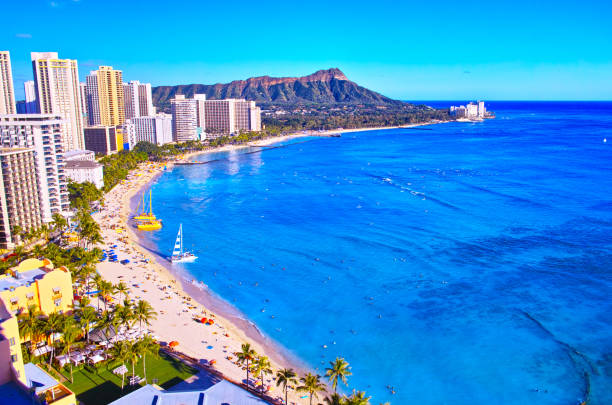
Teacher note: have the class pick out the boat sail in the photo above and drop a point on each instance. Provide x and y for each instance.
(148, 221)
(178, 254)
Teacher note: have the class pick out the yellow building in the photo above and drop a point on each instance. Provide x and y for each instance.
(18, 380)
(110, 96)
(37, 282)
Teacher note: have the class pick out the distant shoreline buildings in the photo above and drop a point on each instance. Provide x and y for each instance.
(472, 111)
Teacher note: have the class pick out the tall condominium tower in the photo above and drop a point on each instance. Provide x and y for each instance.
(184, 119)
(105, 97)
(156, 129)
(57, 89)
(138, 100)
(19, 197)
(43, 133)
(31, 101)
(110, 94)
(7, 94)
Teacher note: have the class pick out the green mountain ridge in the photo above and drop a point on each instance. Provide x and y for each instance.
(329, 86)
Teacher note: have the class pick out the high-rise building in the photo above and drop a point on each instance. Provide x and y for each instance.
(19, 198)
(110, 96)
(200, 114)
(31, 101)
(104, 140)
(57, 90)
(7, 93)
(156, 129)
(184, 119)
(230, 116)
(93, 99)
(43, 133)
(83, 94)
(138, 100)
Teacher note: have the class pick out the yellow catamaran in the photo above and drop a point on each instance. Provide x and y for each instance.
(147, 220)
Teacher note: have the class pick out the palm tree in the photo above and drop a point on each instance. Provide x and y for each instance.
(312, 384)
(53, 325)
(59, 223)
(246, 355)
(105, 288)
(132, 355)
(87, 316)
(339, 370)
(107, 323)
(334, 399)
(147, 345)
(143, 312)
(31, 326)
(261, 366)
(358, 398)
(121, 289)
(124, 315)
(70, 334)
(285, 377)
(120, 352)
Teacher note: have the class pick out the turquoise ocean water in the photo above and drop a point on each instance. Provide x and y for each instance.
(458, 263)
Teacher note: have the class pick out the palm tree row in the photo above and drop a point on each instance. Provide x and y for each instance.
(339, 371)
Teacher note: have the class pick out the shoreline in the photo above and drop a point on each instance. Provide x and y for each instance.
(187, 298)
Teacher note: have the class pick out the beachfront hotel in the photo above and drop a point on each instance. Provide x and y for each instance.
(184, 118)
(138, 100)
(19, 197)
(57, 92)
(7, 94)
(230, 116)
(155, 129)
(24, 383)
(43, 133)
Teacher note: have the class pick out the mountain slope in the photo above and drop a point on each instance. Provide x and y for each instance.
(323, 87)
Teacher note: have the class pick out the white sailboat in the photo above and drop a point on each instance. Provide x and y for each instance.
(178, 255)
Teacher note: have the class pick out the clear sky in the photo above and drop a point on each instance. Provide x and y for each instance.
(411, 50)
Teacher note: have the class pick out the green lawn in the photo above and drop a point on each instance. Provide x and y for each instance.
(100, 386)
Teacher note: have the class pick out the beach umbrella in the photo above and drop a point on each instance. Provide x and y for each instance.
(174, 343)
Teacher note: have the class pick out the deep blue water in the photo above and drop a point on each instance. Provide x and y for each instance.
(459, 263)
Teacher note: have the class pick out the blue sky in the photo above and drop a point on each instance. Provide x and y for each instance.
(412, 50)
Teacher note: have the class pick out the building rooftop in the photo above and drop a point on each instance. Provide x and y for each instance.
(223, 392)
(74, 153)
(25, 273)
(81, 164)
(38, 379)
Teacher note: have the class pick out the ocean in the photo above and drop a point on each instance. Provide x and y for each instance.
(459, 263)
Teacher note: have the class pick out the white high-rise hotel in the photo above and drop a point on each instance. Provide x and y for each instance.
(44, 134)
(58, 93)
(7, 93)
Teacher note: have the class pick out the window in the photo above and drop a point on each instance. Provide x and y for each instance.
(14, 358)
(12, 341)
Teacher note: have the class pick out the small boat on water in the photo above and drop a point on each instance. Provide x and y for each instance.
(178, 254)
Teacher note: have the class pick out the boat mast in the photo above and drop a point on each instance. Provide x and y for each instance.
(181, 232)
(150, 202)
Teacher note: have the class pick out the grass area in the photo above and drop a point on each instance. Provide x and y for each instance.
(94, 386)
